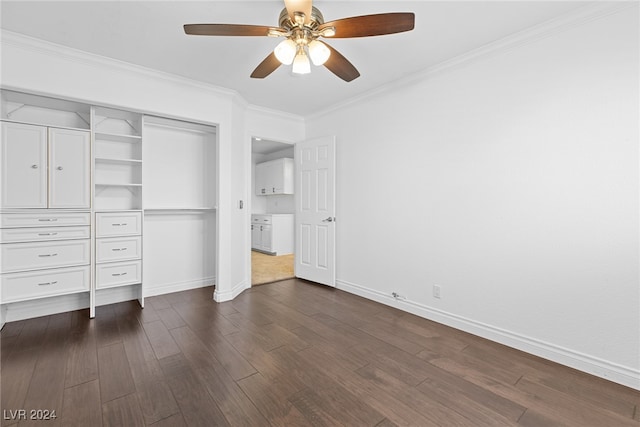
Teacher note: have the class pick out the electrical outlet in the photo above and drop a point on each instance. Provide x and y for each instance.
(398, 296)
(436, 291)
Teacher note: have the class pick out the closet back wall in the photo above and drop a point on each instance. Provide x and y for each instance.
(179, 202)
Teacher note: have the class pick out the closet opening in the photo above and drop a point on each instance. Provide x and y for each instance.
(272, 211)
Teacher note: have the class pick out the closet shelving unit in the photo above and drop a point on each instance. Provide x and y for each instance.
(117, 195)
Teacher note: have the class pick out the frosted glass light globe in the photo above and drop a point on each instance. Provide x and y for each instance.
(285, 51)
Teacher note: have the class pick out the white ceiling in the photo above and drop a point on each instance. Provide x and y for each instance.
(150, 34)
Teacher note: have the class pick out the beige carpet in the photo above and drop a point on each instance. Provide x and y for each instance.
(269, 268)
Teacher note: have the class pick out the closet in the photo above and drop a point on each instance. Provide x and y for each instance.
(101, 205)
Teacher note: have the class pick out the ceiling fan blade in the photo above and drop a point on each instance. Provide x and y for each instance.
(266, 67)
(303, 6)
(226, 30)
(340, 66)
(371, 25)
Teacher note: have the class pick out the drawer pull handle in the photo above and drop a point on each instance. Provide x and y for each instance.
(59, 168)
(47, 255)
(119, 274)
(119, 225)
(47, 234)
(48, 219)
(34, 166)
(47, 283)
(119, 249)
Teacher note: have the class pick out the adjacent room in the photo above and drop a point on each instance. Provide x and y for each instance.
(420, 213)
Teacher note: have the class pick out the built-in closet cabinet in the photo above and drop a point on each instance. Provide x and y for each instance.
(45, 210)
(45, 167)
(77, 228)
(117, 172)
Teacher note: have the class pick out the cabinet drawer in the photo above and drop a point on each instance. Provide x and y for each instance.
(260, 219)
(44, 219)
(118, 274)
(44, 283)
(9, 235)
(118, 248)
(38, 255)
(118, 224)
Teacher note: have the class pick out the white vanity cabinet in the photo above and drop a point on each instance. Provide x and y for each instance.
(274, 177)
(272, 233)
(45, 167)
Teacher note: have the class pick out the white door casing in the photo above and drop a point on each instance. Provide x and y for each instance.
(315, 210)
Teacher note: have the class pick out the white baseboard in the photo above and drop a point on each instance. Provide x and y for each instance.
(115, 295)
(46, 306)
(583, 362)
(232, 293)
(167, 288)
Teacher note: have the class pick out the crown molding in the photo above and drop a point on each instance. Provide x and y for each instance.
(21, 41)
(272, 112)
(562, 23)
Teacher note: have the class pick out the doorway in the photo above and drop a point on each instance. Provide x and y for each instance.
(272, 211)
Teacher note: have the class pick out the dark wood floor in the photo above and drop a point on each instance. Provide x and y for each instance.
(286, 354)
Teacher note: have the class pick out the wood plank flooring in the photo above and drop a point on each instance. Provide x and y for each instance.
(289, 353)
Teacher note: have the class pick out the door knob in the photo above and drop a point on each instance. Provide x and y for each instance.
(34, 166)
(59, 168)
(329, 219)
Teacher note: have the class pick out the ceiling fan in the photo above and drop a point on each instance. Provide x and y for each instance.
(301, 25)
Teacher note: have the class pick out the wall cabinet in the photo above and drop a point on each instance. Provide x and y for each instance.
(274, 177)
(272, 233)
(44, 167)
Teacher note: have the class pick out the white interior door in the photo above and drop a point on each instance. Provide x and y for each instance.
(315, 210)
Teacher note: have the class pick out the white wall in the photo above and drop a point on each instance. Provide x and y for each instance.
(512, 182)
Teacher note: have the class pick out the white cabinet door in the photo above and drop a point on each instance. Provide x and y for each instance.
(267, 238)
(69, 168)
(24, 166)
(256, 236)
(260, 179)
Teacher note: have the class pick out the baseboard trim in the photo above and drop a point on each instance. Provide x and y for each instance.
(232, 293)
(583, 362)
(13, 312)
(46, 306)
(167, 288)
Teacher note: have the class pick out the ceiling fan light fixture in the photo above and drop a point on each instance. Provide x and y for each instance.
(301, 63)
(328, 32)
(319, 52)
(286, 51)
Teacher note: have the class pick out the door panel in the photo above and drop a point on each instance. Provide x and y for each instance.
(69, 177)
(315, 210)
(24, 166)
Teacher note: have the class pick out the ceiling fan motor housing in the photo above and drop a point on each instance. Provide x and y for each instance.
(315, 20)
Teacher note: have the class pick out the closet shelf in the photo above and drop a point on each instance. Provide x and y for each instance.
(122, 161)
(178, 210)
(118, 137)
(116, 184)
